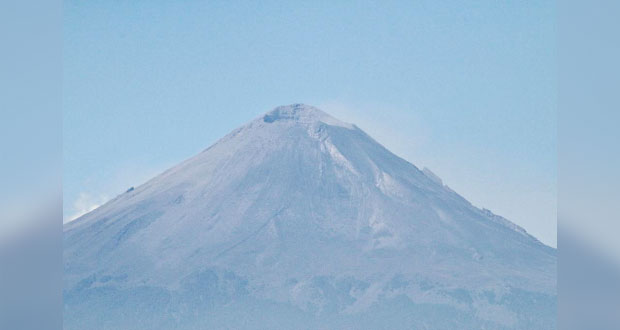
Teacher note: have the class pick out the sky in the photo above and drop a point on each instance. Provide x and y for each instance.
(465, 88)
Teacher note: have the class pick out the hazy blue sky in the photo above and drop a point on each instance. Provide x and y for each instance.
(465, 88)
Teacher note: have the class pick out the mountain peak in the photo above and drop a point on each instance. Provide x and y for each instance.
(302, 113)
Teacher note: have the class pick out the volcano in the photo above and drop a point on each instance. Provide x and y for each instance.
(297, 220)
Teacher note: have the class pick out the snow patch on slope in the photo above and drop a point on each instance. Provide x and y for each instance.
(335, 154)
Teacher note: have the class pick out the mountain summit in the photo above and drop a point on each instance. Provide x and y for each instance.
(297, 220)
(301, 113)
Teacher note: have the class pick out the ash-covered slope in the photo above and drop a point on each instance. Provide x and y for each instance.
(298, 220)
